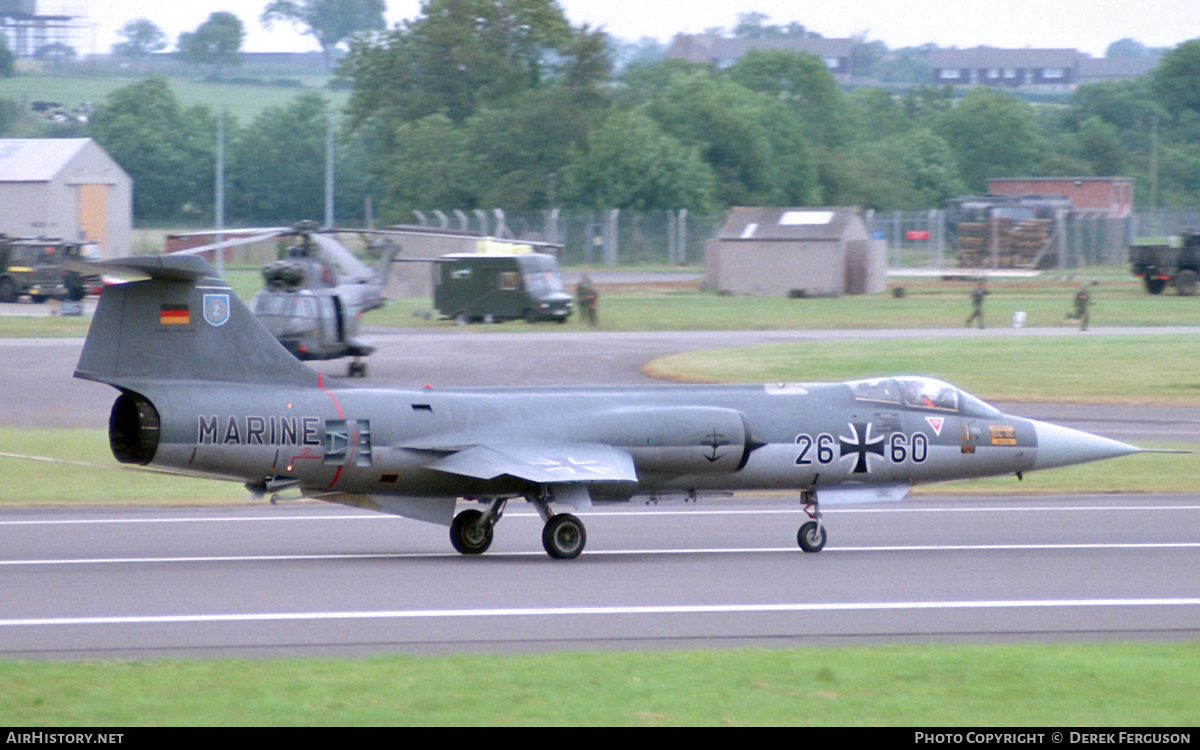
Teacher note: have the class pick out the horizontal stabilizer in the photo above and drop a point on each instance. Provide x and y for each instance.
(541, 463)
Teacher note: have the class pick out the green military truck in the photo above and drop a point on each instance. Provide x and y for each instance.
(34, 267)
(1161, 265)
(473, 287)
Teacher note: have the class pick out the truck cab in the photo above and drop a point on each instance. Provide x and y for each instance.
(34, 267)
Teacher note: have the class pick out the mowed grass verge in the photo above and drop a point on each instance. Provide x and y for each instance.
(1088, 367)
(1059, 685)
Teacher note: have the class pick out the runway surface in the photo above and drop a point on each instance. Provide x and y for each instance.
(272, 581)
(290, 579)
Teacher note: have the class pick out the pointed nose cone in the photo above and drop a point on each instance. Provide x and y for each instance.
(1062, 446)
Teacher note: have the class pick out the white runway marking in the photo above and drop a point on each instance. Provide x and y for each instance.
(599, 553)
(594, 611)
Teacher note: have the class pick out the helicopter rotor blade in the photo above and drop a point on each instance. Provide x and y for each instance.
(235, 242)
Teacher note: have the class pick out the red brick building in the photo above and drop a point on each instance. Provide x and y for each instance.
(1111, 196)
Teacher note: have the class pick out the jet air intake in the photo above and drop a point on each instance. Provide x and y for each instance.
(133, 429)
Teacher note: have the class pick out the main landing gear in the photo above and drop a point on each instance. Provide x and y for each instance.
(811, 536)
(563, 536)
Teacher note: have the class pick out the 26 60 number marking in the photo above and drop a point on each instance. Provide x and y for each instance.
(900, 448)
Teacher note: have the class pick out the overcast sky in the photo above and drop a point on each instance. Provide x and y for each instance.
(1087, 25)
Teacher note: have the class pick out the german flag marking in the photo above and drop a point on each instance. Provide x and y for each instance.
(174, 315)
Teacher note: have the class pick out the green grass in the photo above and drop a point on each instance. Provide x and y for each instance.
(1091, 368)
(1129, 685)
(926, 304)
(243, 101)
(84, 473)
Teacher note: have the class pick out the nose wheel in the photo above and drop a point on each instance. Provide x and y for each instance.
(811, 536)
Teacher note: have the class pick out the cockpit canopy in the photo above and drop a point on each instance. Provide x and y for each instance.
(921, 393)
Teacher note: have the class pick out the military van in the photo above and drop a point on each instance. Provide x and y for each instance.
(34, 267)
(470, 288)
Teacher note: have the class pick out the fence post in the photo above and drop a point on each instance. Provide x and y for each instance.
(671, 249)
(681, 255)
(610, 238)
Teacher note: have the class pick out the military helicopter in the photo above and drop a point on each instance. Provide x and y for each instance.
(314, 297)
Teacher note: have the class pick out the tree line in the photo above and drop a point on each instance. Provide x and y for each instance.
(503, 103)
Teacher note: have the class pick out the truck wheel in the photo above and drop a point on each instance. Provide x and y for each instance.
(9, 291)
(1155, 286)
(1185, 283)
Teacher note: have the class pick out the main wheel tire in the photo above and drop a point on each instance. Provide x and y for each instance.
(468, 535)
(811, 537)
(564, 537)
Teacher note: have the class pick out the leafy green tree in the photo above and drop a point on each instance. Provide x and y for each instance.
(1176, 80)
(992, 134)
(1127, 47)
(803, 81)
(276, 166)
(516, 148)
(631, 163)
(429, 164)
(1126, 105)
(457, 56)
(216, 43)
(905, 65)
(724, 121)
(330, 22)
(169, 151)
(1100, 144)
(917, 167)
(141, 38)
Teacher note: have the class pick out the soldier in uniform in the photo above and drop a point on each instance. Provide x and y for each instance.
(588, 299)
(1083, 301)
(977, 294)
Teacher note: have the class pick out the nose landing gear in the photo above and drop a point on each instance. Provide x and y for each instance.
(811, 536)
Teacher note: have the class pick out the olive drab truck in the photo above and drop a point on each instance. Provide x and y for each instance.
(1160, 266)
(470, 288)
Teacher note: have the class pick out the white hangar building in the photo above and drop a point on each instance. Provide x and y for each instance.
(65, 188)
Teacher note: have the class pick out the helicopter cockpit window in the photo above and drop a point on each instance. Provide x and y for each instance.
(271, 304)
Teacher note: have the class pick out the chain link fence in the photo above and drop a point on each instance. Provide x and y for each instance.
(915, 239)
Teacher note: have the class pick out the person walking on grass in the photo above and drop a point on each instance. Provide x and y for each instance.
(977, 294)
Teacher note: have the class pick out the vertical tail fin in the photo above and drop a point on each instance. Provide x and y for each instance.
(182, 324)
